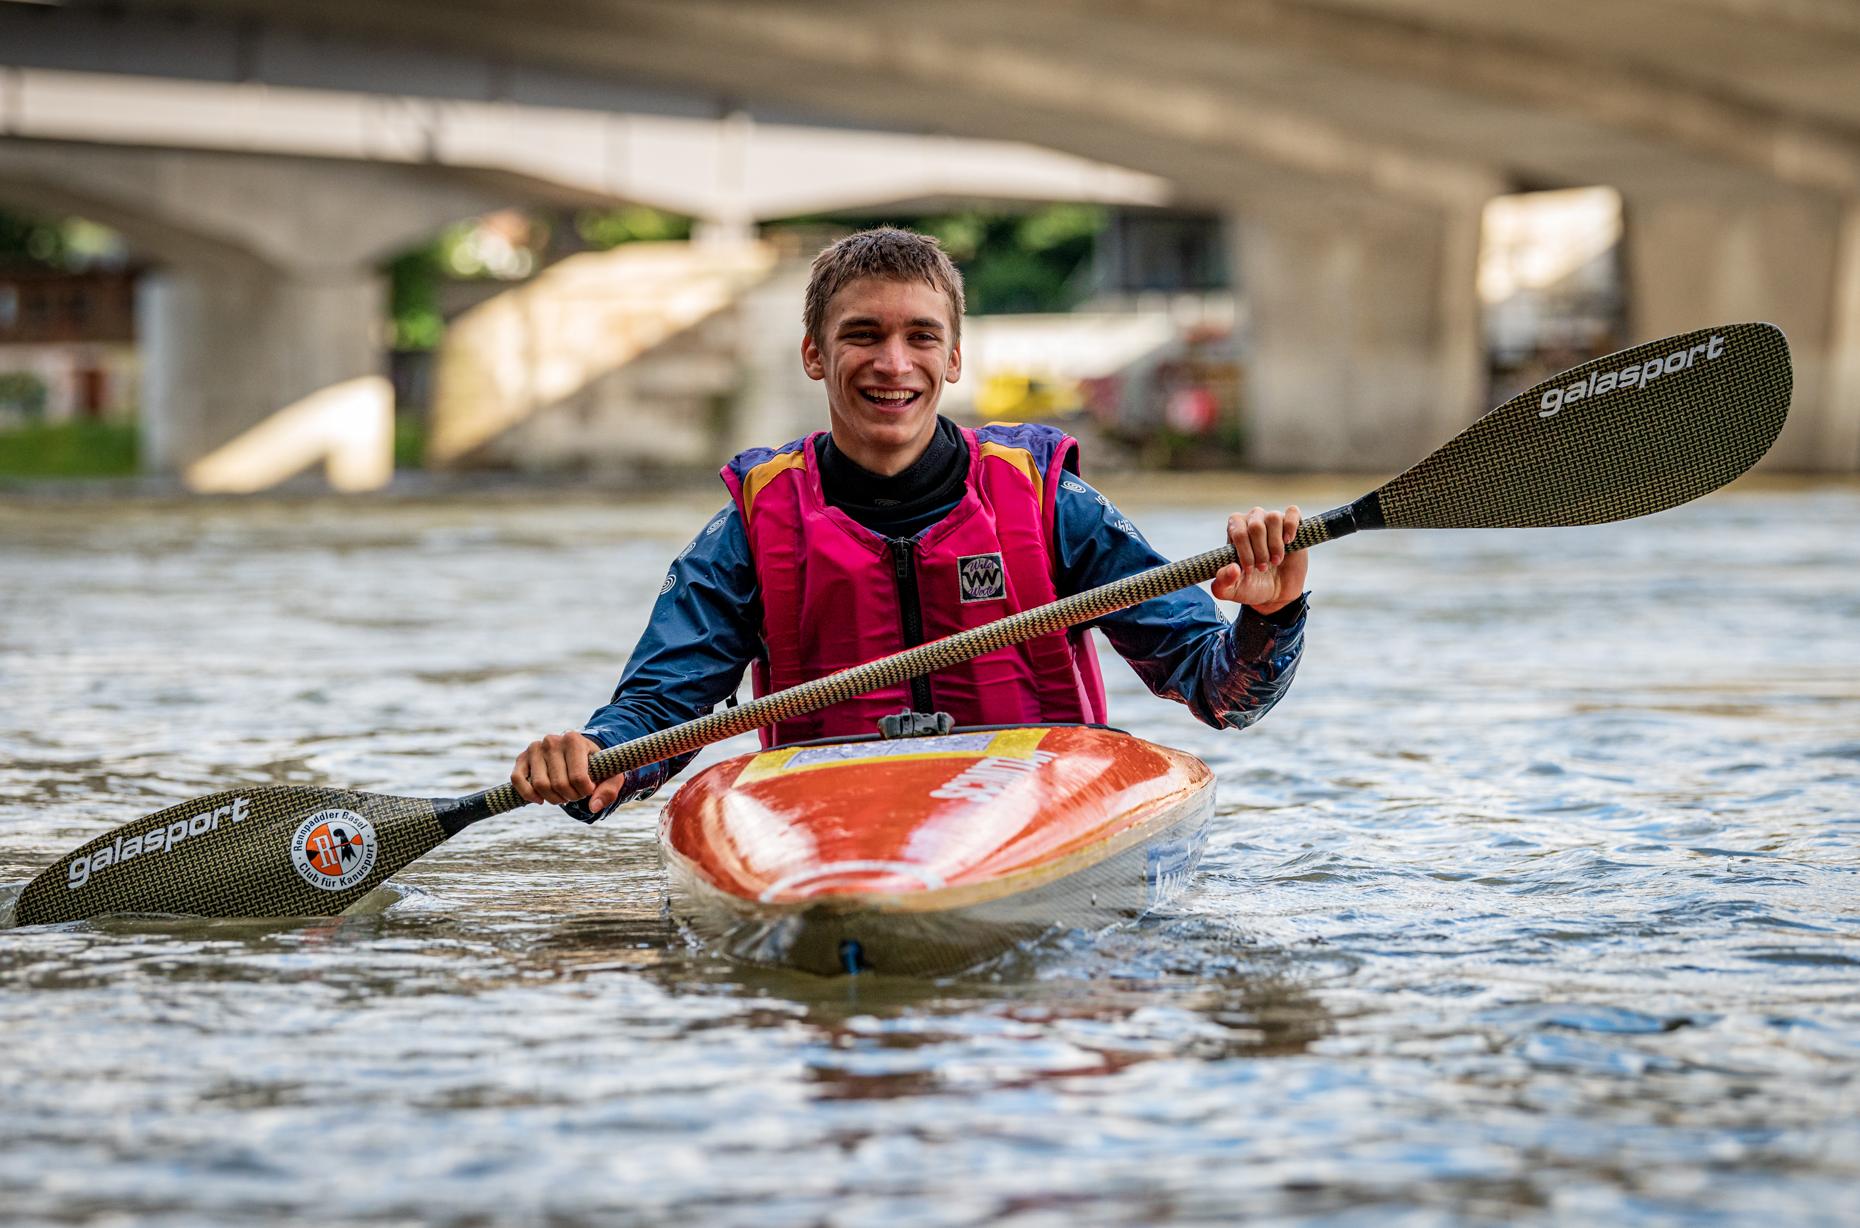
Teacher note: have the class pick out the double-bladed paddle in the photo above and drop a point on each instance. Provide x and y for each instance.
(1636, 432)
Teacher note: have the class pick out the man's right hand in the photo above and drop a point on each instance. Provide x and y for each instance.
(555, 769)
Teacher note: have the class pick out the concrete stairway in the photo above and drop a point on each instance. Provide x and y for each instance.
(634, 357)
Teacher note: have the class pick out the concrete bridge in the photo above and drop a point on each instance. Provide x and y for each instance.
(270, 208)
(1353, 142)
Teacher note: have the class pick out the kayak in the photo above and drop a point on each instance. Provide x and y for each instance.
(928, 855)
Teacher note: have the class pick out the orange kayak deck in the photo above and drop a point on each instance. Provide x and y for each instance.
(929, 855)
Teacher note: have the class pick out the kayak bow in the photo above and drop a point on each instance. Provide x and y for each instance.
(928, 855)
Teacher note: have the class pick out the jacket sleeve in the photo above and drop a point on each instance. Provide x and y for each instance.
(1226, 673)
(704, 631)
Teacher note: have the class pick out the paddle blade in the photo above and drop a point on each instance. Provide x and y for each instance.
(1636, 432)
(261, 852)
(1633, 433)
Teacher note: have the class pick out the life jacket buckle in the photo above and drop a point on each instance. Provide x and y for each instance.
(909, 724)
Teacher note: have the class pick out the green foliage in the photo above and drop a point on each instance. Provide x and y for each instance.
(601, 229)
(69, 450)
(409, 442)
(413, 299)
(23, 393)
(1014, 262)
(57, 243)
(1067, 228)
(29, 241)
(961, 234)
(1018, 280)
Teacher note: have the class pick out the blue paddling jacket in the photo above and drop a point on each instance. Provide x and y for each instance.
(705, 632)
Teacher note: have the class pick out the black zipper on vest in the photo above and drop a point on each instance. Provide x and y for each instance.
(910, 611)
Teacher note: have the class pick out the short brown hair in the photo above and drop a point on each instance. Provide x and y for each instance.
(901, 255)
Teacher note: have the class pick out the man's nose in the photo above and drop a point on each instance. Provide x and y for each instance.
(894, 357)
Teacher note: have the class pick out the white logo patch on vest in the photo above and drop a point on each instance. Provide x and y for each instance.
(983, 576)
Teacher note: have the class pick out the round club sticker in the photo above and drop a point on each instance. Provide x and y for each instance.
(334, 849)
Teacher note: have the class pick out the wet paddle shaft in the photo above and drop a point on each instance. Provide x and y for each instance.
(1636, 432)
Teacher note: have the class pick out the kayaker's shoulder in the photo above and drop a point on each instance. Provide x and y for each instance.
(1043, 444)
(749, 460)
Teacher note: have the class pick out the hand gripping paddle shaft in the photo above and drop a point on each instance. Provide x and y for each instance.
(1636, 432)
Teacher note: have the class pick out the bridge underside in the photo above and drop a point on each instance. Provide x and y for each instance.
(1353, 141)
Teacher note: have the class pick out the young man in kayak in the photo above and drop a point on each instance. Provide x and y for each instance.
(895, 527)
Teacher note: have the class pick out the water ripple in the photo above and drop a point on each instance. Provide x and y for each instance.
(1538, 901)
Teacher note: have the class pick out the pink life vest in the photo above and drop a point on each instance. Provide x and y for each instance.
(832, 596)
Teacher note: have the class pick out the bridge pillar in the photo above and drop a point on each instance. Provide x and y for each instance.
(263, 325)
(1365, 341)
(226, 351)
(1791, 260)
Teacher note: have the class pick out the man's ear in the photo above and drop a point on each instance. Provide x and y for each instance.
(953, 372)
(811, 361)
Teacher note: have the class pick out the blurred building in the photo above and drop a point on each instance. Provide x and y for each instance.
(67, 344)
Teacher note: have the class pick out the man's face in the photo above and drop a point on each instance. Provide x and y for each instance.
(886, 350)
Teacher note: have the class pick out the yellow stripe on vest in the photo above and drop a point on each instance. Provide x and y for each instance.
(1022, 460)
(767, 472)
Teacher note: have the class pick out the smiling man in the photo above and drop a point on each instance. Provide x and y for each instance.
(895, 527)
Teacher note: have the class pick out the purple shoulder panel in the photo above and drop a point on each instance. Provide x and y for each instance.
(1038, 440)
(749, 458)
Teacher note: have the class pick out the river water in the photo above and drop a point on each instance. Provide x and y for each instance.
(1537, 900)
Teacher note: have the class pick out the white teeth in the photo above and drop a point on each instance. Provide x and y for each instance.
(884, 394)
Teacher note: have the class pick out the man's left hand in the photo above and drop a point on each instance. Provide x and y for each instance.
(1268, 577)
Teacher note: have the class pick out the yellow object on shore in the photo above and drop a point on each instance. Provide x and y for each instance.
(1026, 398)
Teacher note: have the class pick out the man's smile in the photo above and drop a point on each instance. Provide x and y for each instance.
(891, 398)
